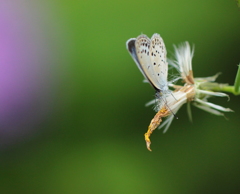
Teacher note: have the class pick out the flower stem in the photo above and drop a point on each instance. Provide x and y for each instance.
(219, 87)
(237, 82)
(226, 88)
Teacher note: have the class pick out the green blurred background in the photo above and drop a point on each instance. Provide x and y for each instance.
(73, 115)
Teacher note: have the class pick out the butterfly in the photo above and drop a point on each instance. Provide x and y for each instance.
(150, 56)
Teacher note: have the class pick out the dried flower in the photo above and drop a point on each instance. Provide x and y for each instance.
(195, 90)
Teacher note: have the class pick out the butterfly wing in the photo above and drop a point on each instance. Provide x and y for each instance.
(158, 58)
(139, 50)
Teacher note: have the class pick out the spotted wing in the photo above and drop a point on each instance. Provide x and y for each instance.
(139, 50)
(158, 56)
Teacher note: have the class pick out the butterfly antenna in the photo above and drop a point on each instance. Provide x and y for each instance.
(165, 101)
(173, 95)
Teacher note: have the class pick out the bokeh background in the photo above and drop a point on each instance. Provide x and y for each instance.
(72, 113)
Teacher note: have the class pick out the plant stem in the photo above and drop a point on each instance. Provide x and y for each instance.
(218, 87)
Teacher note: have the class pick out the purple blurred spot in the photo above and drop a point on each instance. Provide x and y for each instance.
(23, 83)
